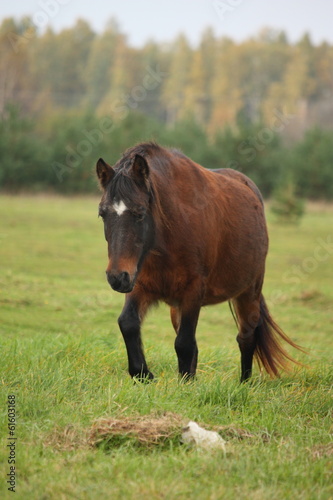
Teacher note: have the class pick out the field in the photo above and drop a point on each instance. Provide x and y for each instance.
(64, 361)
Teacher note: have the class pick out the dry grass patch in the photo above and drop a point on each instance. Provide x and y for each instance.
(322, 450)
(230, 432)
(67, 438)
(148, 430)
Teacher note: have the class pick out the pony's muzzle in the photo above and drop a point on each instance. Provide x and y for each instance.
(120, 282)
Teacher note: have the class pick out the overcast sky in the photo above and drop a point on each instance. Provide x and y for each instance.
(162, 20)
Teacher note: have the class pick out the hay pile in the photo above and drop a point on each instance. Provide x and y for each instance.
(148, 430)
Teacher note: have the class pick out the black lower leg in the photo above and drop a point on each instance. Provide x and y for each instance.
(247, 348)
(129, 323)
(186, 346)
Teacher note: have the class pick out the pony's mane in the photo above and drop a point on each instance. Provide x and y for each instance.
(143, 149)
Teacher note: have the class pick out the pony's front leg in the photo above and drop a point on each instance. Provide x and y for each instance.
(186, 345)
(130, 325)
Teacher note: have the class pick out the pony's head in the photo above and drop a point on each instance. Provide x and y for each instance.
(125, 208)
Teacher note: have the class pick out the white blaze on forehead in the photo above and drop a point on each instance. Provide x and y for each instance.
(119, 207)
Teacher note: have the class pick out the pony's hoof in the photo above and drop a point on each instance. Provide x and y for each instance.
(143, 378)
(186, 377)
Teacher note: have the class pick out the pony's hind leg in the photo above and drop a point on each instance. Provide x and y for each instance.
(248, 317)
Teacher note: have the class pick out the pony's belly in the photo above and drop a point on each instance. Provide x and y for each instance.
(210, 300)
(228, 285)
(215, 295)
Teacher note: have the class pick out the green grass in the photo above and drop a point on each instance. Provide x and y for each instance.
(64, 359)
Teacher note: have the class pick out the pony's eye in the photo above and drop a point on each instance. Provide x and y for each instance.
(140, 215)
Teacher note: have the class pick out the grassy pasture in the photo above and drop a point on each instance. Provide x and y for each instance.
(64, 360)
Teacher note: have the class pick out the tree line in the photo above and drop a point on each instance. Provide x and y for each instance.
(59, 153)
(263, 106)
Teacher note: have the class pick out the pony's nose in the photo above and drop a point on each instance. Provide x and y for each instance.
(120, 282)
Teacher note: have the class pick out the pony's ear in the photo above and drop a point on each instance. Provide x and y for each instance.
(104, 172)
(140, 168)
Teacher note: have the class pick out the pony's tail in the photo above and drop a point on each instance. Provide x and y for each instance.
(269, 353)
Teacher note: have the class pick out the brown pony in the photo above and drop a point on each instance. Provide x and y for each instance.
(190, 237)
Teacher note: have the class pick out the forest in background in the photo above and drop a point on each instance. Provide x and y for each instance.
(263, 106)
